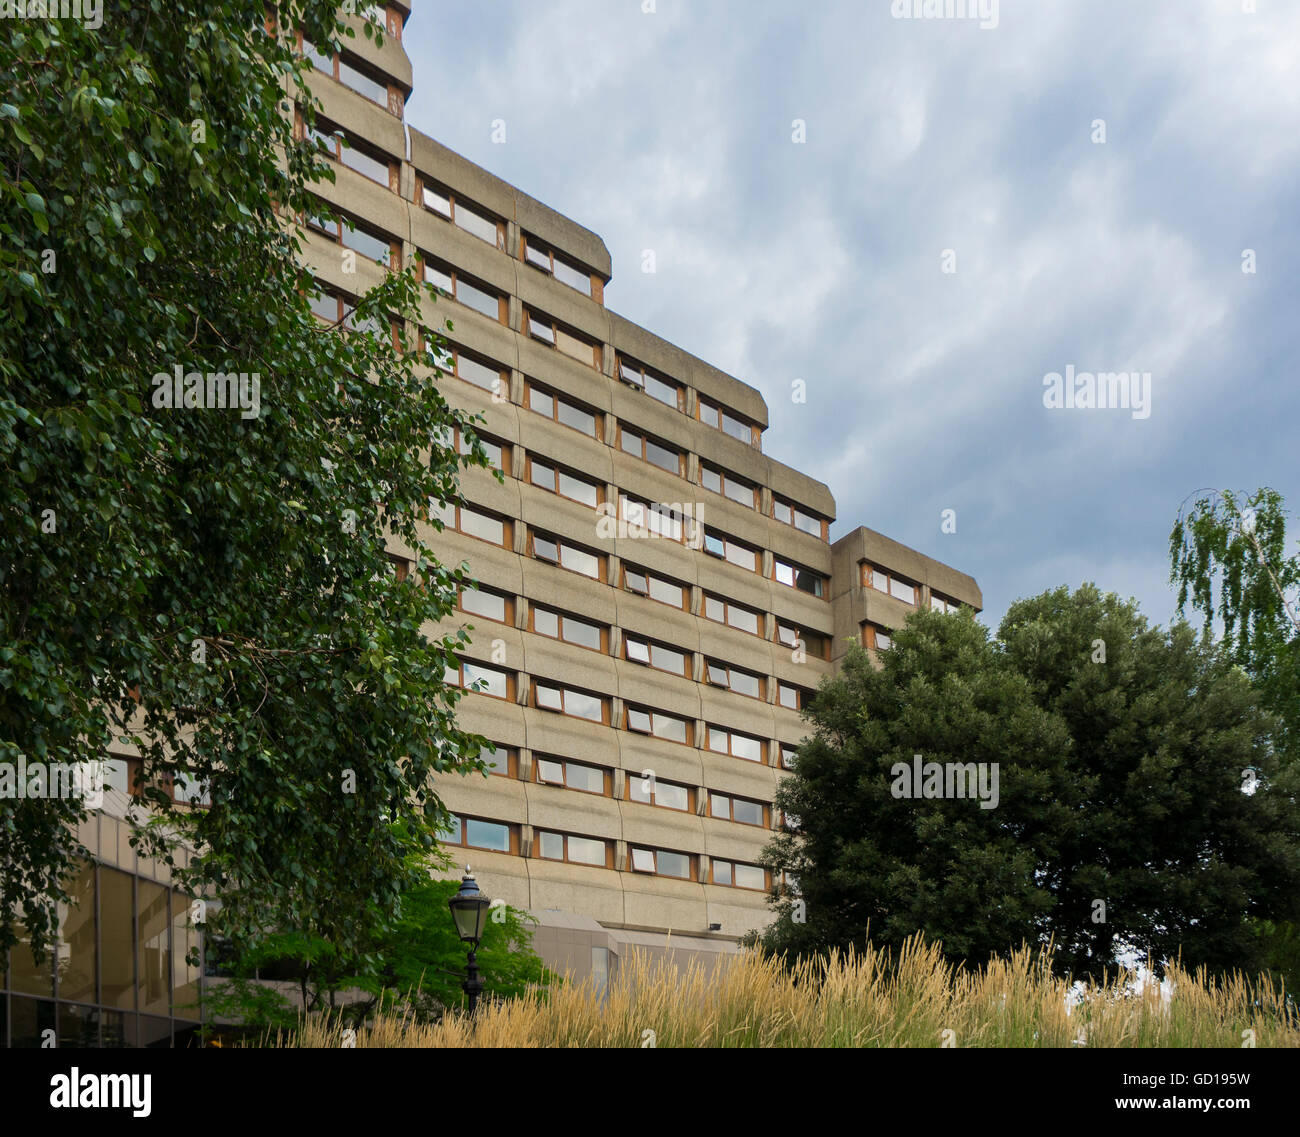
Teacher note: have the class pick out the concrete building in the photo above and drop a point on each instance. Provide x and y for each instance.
(657, 597)
(643, 668)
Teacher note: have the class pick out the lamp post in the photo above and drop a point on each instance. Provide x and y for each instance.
(469, 909)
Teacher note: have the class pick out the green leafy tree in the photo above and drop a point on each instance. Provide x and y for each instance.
(210, 584)
(1228, 556)
(1120, 752)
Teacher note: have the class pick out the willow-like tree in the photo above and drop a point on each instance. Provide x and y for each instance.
(211, 585)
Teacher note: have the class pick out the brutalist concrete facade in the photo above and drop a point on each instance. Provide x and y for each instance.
(571, 845)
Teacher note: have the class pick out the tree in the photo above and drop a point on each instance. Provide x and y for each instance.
(1228, 557)
(1119, 751)
(1235, 546)
(416, 966)
(210, 584)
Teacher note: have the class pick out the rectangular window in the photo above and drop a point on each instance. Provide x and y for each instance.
(658, 724)
(567, 701)
(483, 680)
(362, 83)
(787, 755)
(725, 612)
(476, 833)
(636, 375)
(471, 218)
(571, 343)
(813, 644)
(729, 486)
(654, 587)
(482, 373)
(793, 576)
(541, 257)
(568, 556)
(736, 875)
(788, 695)
(570, 629)
(562, 411)
(571, 775)
(732, 678)
(498, 760)
(471, 522)
(738, 745)
(652, 791)
(576, 850)
(661, 862)
(648, 450)
(473, 294)
(655, 655)
(729, 549)
(712, 415)
(560, 482)
(883, 580)
(793, 515)
(943, 604)
(659, 518)
(708, 414)
(739, 809)
(876, 637)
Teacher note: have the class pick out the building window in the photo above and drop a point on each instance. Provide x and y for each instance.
(787, 755)
(725, 612)
(660, 519)
(571, 775)
(793, 515)
(571, 343)
(795, 698)
(499, 760)
(481, 680)
(488, 604)
(734, 874)
(662, 658)
(569, 629)
(729, 486)
(723, 741)
(883, 580)
(566, 555)
(545, 259)
(729, 549)
(643, 379)
(557, 481)
(648, 450)
(712, 415)
(343, 231)
(476, 833)
(739, 809)
(652, 791)
(813, 644)
(401, 567)
(656, 723)
(471, 522)
(552, 846)
(563, 411)
(662, 862)
(463, 215)
(352, 152)
(189, 790)
(568, 701)
(943, 604)
(473, 294)
(794, 576)
(654, 587)
(350, 73)
(733, 679)
(876, 638)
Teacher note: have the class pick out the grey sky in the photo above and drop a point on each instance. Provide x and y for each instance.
(822, 261)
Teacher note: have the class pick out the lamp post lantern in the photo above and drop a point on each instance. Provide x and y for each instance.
(469, 909)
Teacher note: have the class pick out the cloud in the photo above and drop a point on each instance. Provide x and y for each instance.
(822, 260)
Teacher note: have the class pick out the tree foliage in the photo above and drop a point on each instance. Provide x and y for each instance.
(211, 586)
(1121, 752)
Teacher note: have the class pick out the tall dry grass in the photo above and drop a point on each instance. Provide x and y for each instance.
(854, 999)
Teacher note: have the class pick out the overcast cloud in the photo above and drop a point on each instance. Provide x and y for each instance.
(823, 261)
